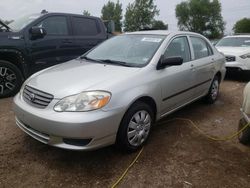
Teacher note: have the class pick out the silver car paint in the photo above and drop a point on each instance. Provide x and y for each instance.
(126, 85)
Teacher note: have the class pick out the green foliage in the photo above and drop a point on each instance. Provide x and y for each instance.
(242, 26)
(140, 14)
(113, 11)
(86, 13)
(159, 25)
(201, 16)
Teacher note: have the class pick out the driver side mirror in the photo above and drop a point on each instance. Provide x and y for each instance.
(37, 32)
(169, 61)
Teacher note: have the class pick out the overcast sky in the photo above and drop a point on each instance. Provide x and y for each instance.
(232, 10)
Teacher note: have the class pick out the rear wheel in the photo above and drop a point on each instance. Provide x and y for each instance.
(10, 79)
(135, 127)
(244, 136)
(213, 93)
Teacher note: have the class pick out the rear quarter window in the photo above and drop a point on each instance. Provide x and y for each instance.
(85, 26)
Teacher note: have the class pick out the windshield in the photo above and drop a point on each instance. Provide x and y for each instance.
(132, 50)
(20, 23)
(234, 42)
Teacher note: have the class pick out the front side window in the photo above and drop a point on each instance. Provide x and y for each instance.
(134, 50)
(85, 26)
(179, 48)
(200, 48)
(55, 25)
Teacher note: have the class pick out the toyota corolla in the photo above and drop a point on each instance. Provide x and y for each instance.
(115, 92)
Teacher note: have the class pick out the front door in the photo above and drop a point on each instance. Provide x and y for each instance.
(176, 81)
(54, 47)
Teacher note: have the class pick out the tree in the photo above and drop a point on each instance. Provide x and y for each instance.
(242, 26)
(86, 13)
(159, 25)
(201, 16)
(113, 11)
(140, 14)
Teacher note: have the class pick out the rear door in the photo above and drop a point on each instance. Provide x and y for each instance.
(87, 32)
(202, 65)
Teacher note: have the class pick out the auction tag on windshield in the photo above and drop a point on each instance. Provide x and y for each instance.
(146, 39)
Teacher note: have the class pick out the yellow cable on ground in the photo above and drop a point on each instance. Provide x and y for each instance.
(205, 134)
(127, 169)
(196, 127)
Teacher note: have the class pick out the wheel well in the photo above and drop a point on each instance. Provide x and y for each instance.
(149, 101)
(15, 58)
(219, 76)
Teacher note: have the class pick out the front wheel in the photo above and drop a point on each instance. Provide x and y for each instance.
(10, 79)
(135, 127)
(213, 92)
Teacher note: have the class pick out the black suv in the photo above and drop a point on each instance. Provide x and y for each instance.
(37, 41)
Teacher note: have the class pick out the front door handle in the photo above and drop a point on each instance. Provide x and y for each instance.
(67, 41)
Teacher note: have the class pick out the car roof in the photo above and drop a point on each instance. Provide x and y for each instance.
(237, 36)
(69, 14)
(162, 32)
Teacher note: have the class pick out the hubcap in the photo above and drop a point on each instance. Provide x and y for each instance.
(139, 127)
(7, 80)
(215, 89)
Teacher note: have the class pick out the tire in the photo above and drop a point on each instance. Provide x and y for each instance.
(10, 79)
(213, 92)
(244, 137)
(137, 123)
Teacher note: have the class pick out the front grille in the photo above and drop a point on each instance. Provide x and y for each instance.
(36, 97)
(230, 58)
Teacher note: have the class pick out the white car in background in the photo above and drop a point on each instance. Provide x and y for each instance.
(236, 50)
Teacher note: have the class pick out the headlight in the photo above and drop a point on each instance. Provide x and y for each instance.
(245, 56)
(82, 102)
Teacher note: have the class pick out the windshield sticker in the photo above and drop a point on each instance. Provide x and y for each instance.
(157, 40)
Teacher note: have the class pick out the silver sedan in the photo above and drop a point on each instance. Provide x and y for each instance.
(114, 93)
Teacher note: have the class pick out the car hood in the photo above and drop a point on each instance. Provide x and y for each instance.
(76, 76)
(236, 51)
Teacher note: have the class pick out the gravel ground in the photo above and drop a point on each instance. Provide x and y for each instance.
(176, 155)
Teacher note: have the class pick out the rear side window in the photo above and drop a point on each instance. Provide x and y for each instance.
(201, 48)
(55, 25)
(85, 26)
(179, 47)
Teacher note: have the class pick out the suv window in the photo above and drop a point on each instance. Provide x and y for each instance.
(85, 26)
(179, 47)
(200, 47)
(55, 25)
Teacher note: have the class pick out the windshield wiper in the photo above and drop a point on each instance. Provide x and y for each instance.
(90, 59)
(109, 61)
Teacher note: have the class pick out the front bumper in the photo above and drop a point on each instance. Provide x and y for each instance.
(68, 130)
(243, 65)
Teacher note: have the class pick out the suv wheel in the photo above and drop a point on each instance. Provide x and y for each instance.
(213, 93)
(244, 137)
(135, 127)
(10, 79)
